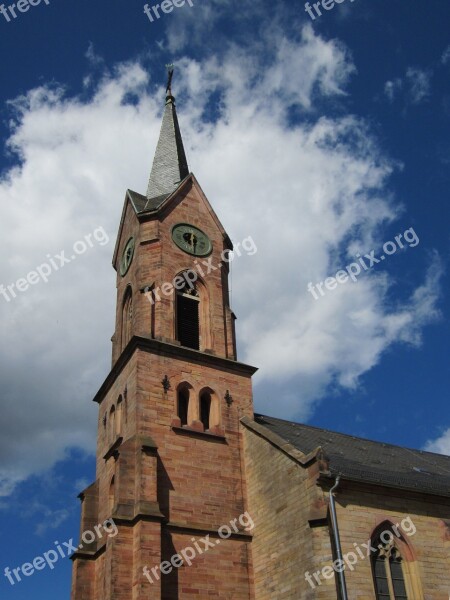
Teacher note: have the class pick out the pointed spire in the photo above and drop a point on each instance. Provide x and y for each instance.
(170, 164)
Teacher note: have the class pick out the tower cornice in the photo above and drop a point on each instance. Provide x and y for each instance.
(173, 351)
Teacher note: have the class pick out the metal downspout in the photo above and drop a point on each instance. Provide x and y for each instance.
(337, 540)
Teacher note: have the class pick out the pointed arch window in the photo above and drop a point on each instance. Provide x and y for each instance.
(183, 405)
(127, 317)
(188, 317)
(387, 568)
(209, 409)
(205, 410)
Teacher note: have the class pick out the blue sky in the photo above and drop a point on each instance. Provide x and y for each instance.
(320, 139)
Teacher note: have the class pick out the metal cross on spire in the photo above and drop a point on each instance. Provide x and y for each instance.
(170, 69)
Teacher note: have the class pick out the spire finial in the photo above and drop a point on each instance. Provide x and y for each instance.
(170, 69)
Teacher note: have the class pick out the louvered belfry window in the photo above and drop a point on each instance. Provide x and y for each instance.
(387, 568)
(188, 319)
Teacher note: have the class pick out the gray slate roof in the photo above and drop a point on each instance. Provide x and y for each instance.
(368, 461)
(169, 165)
(143, 204)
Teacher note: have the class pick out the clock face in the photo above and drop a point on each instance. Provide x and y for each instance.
(192, 240)
(127, 257)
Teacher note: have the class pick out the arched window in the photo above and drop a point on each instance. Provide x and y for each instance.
(209, 409)
(205, 409)
(188, 317)
(388, 575)
(112, 424)
(112, 496)
(192, 314)
(119, 416)
(127, 317)
(183, 405)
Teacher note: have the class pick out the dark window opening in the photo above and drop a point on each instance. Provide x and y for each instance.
(188, 322)
(183, 405)
(205, 409)
(127, 318)
(398, 581)
(381, 580)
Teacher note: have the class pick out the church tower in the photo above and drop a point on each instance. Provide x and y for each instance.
(169, 470)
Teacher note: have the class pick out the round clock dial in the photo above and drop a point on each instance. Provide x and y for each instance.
(127, 257)
(192, 240)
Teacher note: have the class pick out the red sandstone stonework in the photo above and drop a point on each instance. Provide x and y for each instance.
(171, 484)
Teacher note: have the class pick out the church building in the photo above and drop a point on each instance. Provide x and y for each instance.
(211, 500)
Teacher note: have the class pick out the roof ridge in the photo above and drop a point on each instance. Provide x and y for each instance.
(348, 435)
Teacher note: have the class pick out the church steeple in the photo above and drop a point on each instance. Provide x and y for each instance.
(170, 442)
(170, 164)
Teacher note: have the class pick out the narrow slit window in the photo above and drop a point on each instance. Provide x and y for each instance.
(205, 409)
(127, 318)
(398, 581)
(183, 406)
(381, 579)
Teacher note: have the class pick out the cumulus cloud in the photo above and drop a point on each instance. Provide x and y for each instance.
(441, 445)
(73, 161)
(309, 192)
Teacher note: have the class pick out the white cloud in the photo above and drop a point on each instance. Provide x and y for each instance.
(445, 58)
(81, 484)
(441, 445)
(187, 27)
(415, 85)
(419, 84)
(392, 88)
(308, 194)
(52, 520)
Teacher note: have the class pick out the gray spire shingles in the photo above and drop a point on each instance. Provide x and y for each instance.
(170, 164)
